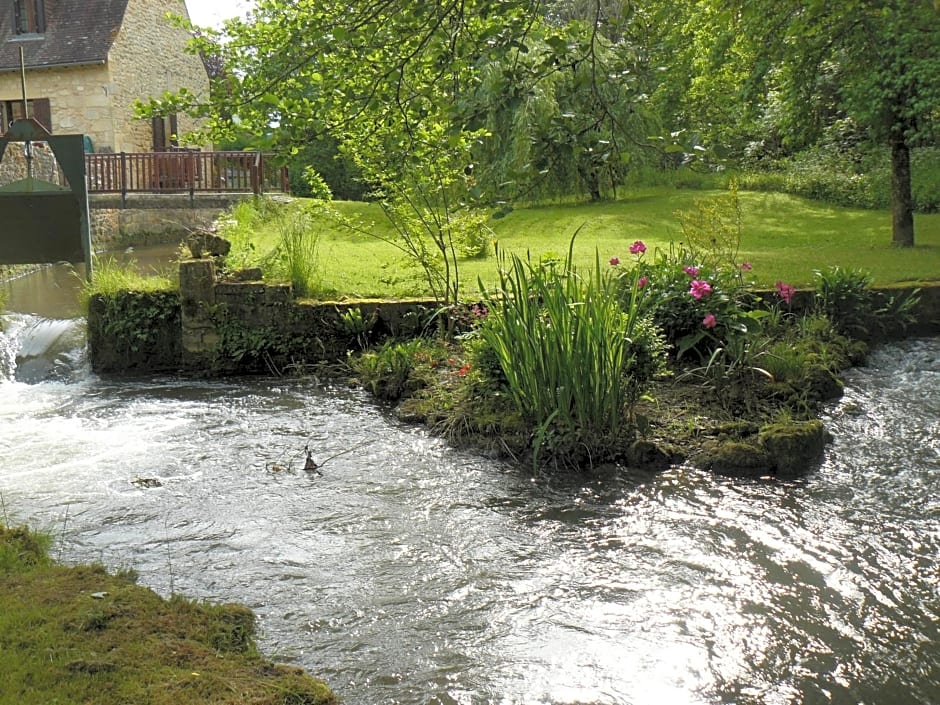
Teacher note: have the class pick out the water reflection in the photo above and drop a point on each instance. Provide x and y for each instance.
(53, 291)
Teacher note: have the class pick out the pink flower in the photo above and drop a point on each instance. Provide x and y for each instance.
(699, 288)
(709, 321)
(637, 248)
(614, 261)
(785, 291)
(642, 281)
(691, 271)
(746, 266)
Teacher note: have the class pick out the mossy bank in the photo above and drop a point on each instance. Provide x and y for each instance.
(79, 634)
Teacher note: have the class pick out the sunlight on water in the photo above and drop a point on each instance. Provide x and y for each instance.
(415, 574)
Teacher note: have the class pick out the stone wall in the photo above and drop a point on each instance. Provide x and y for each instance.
(237, 327)
(215, 326)
(146, 60)
(149, 219)
(113, 228)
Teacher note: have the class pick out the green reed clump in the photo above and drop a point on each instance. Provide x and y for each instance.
(296, 256)
(562, 342)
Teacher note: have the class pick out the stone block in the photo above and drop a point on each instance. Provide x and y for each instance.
(278, 294)
(197, 281)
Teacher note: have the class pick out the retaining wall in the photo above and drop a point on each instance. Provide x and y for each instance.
(215, 326)
(147, 219)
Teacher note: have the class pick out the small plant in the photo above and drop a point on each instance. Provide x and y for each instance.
(846, 298)
(713, 227)
(22, 549)
(385, 371)
(353, 323)
(240, 226)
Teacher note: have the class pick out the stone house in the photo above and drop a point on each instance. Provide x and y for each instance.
(86, 63)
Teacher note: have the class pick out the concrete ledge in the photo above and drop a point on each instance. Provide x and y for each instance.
(161, 201)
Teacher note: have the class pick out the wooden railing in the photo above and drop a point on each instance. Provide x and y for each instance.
(184, 171)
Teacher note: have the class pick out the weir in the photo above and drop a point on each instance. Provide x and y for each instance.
(35, 349)
(45, 221)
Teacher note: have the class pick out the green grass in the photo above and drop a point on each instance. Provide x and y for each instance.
(111, 277)
(785, 238)
(77, 634)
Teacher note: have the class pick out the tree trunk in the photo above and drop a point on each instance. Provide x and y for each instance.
(902, 201)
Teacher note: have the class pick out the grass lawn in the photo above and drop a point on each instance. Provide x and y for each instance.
(785, 238)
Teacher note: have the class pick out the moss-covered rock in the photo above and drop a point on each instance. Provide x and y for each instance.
(735, 458)
(647, 455)
(794, 447)
(821, 384)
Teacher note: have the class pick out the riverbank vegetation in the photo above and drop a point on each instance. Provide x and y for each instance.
(652, 359)
(79, 634)
(555, 359)
(483, 135)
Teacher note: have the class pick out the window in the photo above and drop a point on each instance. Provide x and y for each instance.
(165, 133)
(29, 16)
(39, 109)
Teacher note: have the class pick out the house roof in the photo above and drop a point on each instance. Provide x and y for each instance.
(78, 32)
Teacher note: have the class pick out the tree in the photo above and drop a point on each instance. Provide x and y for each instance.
(383, 80)
(568, 114)
(398, 86)
(884, 53)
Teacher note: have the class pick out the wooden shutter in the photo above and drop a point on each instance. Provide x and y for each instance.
(42, 111)
(159, 134)
(39, 19)
(29, 16)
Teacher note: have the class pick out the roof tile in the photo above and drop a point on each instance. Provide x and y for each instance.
(77, 32)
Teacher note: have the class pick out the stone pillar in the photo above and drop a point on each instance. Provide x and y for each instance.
(197, 295)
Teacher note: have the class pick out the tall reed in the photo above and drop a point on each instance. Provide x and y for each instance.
(562, 340)
(297, 257)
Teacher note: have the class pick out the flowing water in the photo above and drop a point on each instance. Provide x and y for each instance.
(412, 573)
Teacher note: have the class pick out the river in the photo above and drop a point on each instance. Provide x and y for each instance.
(412, 573)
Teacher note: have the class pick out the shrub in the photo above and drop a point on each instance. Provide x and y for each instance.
(855, 177)
(696, 306)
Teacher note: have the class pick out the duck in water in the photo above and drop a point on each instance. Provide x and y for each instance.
(310, 465)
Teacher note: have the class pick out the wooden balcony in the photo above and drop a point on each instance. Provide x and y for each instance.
(184, 172)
